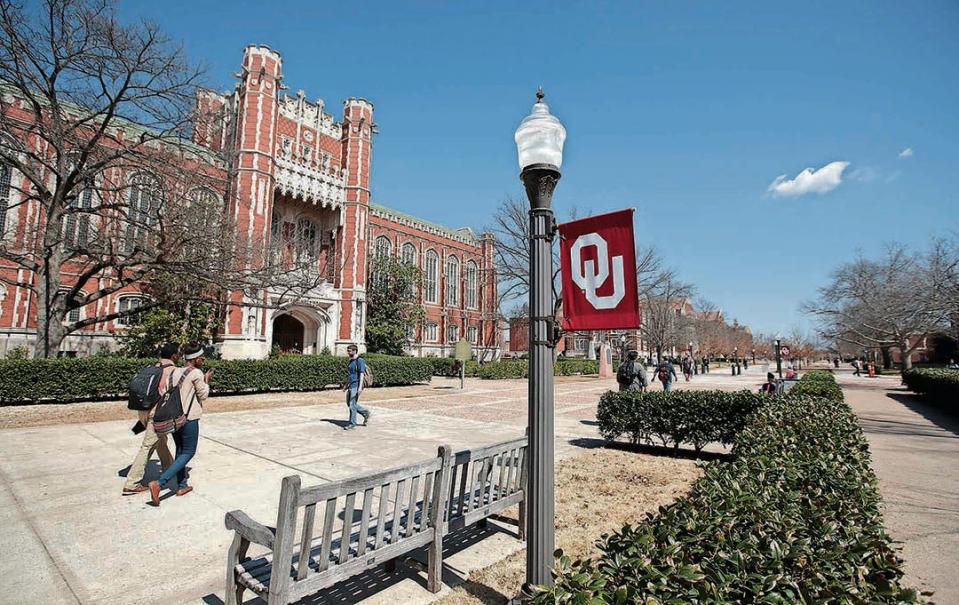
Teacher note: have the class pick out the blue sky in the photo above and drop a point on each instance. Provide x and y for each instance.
(686, 111)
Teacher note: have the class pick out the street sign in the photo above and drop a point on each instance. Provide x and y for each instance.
(784, 351)
(598, 268)
(464, 352)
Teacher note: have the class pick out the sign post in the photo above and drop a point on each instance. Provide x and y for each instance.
(464, 352)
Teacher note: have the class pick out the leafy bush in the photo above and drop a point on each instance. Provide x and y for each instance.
(570, 366)
(676, 417)
(794, 518)
(61, 380)
(938, 384)
(817, 383)
(498, 370)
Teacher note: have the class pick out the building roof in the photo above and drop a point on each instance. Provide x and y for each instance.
(463, 234)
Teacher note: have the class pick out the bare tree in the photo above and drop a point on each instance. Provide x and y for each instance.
(664, 326)
(95, 119)
(890, 302)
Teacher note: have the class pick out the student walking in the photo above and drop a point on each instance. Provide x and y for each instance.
(666, 374)
(687, 368)
(193, 386)
(169, 355)
(356, 374)
(857, 366)
(631, 375)
(705, 365)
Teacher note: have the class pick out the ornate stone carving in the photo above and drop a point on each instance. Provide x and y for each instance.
(301, 182)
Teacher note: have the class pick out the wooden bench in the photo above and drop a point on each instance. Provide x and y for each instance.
(429, 499)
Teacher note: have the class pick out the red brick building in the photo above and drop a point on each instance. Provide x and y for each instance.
(297, 174)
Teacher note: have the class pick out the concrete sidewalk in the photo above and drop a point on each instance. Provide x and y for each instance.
(915, 452)
(69, 537)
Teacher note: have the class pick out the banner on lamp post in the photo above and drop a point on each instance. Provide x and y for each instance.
(598, 272)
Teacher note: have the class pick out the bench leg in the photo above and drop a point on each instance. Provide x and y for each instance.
(434, 581)
(522, 520)
(482, 523)
(390, 566)
(234, 591)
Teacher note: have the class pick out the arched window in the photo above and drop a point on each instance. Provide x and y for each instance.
(143, 204)
(430, 276)
(76, 224)
(452, 280)
(470, 275)
(6, 173)
(383, 247)
(73, 315)
(408, 254)
(129, 303)
(305, 240)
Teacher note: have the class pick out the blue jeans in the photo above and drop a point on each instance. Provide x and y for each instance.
(353, 403)
(186, 440)
(667, 386)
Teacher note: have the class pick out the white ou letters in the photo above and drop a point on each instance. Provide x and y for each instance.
(590, 277)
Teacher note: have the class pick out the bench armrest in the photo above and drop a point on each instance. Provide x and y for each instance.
(256, 533)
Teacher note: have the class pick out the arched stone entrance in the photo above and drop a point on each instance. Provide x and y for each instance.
(301, 329)
(288, 333)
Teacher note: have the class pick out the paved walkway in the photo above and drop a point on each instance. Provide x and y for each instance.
(69, 537)
(915, 451)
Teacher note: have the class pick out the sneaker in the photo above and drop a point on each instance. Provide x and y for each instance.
(349, 427)
(366, 419)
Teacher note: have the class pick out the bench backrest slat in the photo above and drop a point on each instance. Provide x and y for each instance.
(326, 541)
(347, 527)
(397, 509)
(309, 516)
(382, 506)
(365, 521)
(428, 502)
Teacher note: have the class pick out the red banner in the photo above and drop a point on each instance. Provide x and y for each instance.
(598, 264)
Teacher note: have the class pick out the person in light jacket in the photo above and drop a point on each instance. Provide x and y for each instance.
(194, 390)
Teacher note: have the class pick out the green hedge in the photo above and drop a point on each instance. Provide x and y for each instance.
(794, 518)
(940, 385)
(509, 368)
(817, 383)
(63, 380)
(676, 417)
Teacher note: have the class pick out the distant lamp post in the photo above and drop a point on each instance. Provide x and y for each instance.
(539, 145)
(779, 358)
(735, 359)
(691, 359)
(622, 348)
(754, 356)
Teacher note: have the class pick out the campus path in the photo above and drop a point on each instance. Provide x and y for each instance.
(915, 453)
(69, 537)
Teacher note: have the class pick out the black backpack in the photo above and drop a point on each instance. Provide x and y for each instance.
(169, 415)
(145, 388)
(625, 375)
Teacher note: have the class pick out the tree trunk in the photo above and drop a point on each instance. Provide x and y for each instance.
(50, 310)
(906, 354)
(886, 358)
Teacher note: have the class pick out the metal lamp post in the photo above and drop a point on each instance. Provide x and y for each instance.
(735, 359)
(539, 143)
(779, 359)
(754, 356)
(692, 359)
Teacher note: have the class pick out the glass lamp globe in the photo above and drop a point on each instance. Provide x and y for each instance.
(540, 137)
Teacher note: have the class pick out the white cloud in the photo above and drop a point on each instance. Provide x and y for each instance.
(825, 179)
(905, 153)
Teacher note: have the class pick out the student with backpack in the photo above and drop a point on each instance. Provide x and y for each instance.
(687, 368)
(631, 374)
(666, 374)
(146, 389)
(358, 376)
(179, 413)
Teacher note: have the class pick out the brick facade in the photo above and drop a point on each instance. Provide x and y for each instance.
(295, 169)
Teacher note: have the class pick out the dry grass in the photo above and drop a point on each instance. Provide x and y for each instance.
(596, 493)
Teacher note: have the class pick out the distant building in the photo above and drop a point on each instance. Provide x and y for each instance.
(301, 179)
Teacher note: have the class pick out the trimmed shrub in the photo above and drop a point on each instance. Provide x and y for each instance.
(794, 518)
(676, 417)
(940, 385)
(64, 380)
(499, 370)
(571, 366)
(817, 383)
